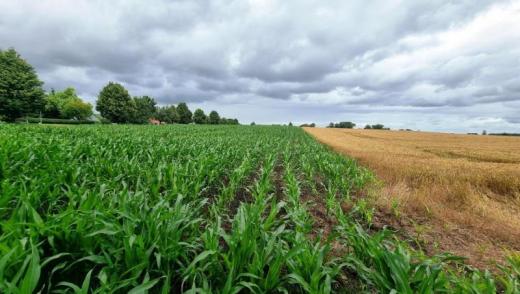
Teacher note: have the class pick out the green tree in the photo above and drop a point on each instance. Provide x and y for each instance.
(21, 91)
(167, 114)
(199, 117)
(214, 118)
(231, 121)
(344, 125)
(184, 113)
(144, 109)
(115, 104)
(51, 108)
(228, 121)
(77, 109)
(66, 104)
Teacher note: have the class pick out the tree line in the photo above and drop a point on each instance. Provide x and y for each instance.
(376, 127)
(351, 125)
(115, 104)
(22, 95)
(342, 125)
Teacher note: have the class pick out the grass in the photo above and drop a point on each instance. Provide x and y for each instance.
(201, 209)
(467, 188)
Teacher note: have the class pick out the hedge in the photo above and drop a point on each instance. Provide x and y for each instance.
(35, 120)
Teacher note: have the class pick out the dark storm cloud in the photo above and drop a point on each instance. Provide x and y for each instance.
(334, 56)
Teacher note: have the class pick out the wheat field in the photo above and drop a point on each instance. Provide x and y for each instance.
(452, 192)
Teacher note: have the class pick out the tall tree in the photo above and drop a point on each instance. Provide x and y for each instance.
(21, 91)
(199, 117)
(184, 113)
(115, 104)
(214, 118)
(144, 109)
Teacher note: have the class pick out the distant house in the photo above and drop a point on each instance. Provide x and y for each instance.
(154, 121)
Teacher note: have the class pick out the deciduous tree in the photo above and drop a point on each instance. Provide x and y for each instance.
(214, 118)
(115, 104)
(199, 117)
(144, 109)
(344, 125)
(184, 113)
(21, 91)
(167, 114)
(66, 104)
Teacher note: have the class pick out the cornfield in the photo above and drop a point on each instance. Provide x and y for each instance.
(202, 209)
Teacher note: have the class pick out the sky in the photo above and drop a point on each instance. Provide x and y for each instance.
(437, 65)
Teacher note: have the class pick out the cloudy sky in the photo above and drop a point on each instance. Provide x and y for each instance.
(444, 65)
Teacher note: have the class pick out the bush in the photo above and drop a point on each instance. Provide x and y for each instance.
(36, 120)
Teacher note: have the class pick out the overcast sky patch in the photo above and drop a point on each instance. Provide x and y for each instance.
(432, 65)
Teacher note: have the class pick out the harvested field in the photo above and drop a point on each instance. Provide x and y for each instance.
(459, 193)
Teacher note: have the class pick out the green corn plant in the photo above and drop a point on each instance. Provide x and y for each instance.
(510, 280)
(309, 268)
(147, 209)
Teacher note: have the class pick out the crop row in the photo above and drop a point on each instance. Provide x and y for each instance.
(200, 209)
